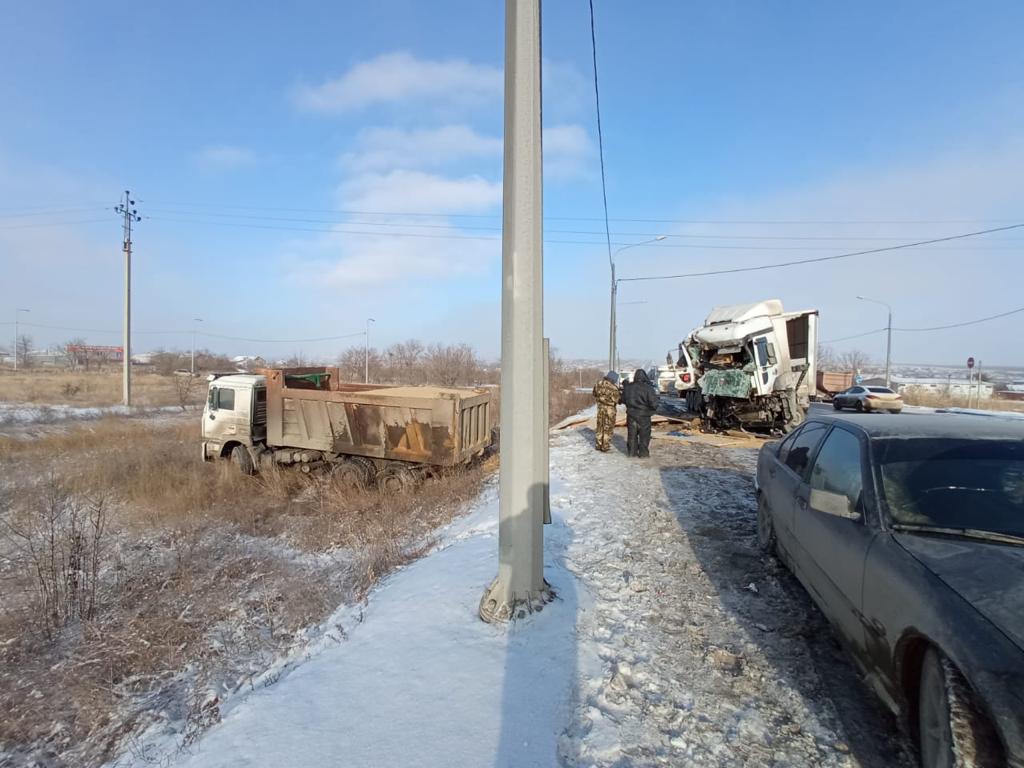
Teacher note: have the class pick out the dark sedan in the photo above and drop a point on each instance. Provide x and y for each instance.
(908, 532)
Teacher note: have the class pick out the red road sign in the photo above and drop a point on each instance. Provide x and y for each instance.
(970, 362)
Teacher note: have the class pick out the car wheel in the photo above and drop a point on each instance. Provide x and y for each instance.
(859, 407)
(951, 731)
(837, 405)
(765, 526)
(241, 458)
(897, 410)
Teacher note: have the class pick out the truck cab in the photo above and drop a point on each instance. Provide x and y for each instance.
(235, 414)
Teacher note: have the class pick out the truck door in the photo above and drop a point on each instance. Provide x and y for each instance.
(767, 363)
(226, 416)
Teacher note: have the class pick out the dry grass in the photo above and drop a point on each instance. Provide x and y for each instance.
(934, 400)
(199, 569)
(93, 388)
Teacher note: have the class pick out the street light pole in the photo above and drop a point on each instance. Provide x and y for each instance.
(613, 327)
(194, 321)
(888, 339)
(16, 337)
(366, 353)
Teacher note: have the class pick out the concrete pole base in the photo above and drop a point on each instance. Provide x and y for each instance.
(499, 606)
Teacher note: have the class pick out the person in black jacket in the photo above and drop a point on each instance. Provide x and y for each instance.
(641, 401)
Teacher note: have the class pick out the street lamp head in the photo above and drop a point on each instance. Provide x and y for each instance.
(659, 238)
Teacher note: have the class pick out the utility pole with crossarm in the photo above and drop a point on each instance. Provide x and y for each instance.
(127, 209)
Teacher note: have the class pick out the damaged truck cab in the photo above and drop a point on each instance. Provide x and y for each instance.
(756, 366)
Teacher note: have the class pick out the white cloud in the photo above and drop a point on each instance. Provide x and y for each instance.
(384, 148)
(408, 191)
(224, 157)
(568, 151)
(401, 77)
(345, 261)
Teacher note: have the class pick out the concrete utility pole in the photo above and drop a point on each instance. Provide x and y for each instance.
(613, 323)
(366, 352)
(888, 339)
(127, 209)
(194, 321)
(520, 588)
(16, 337)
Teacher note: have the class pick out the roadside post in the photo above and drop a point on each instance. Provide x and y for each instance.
(970, 379)
(519, 588)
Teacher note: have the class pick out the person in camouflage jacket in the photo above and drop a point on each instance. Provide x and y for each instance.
(607, 394)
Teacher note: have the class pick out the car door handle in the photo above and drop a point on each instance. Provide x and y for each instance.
(802, 503)
(771, 472)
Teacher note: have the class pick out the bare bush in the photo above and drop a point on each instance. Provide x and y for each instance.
(58, 538)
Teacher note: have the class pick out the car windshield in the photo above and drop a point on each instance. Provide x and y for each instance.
(883, 390)
(954, 483)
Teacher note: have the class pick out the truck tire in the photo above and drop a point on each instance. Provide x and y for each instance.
(347, 476)
(366, 466)
(952, 733)
(242, 459)
(396, 479)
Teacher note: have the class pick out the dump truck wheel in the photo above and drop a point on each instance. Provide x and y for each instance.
(240, 458)
(367, 467)
(347, 476)
(396, 480)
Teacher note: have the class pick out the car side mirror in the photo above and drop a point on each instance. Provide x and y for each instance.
(833, 504)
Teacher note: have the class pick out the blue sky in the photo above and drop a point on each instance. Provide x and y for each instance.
(278, 153)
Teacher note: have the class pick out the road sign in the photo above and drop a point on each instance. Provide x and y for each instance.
(858, 379)
(970, 362)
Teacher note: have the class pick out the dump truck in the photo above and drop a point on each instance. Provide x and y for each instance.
(755, 365)
(361, 434)
(830, 383)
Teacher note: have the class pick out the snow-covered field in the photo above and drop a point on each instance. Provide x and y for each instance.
(672, 642)
(21, 419)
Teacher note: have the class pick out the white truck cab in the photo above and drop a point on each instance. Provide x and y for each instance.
(235, 414)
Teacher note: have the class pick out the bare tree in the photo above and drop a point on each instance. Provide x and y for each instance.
(452, 365)
(854, 360)
(74, 353)
(827, 358)
(403, 362)
(23, 346)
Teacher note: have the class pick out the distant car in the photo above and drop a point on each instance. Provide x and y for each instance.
(863, 398)
(909, 535)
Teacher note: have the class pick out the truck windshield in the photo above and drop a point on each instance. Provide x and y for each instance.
(954, 483)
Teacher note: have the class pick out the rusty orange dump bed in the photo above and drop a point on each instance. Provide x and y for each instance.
(311, 408)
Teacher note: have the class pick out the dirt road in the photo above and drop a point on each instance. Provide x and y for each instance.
(703, 651)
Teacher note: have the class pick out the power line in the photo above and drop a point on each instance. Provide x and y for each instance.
(600, 134)
(931, 328)
(817, 259)
(336, 229)
(53, 223)
(497, 228)
(441, 214)
(961, 325)
(188, 331)
(855, 336)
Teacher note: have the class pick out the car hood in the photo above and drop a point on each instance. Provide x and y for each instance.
(988, 575)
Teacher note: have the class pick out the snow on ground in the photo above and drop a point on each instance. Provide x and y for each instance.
(20, 418)
(672, 642)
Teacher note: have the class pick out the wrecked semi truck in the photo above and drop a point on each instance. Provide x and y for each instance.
(755, 365)
(362, 434)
